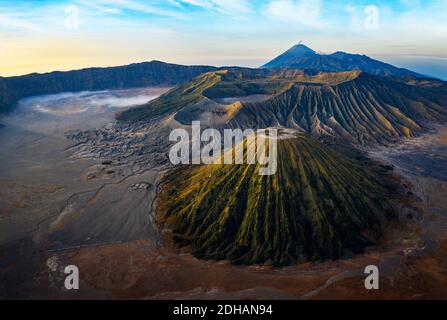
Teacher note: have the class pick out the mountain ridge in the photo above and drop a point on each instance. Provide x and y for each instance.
(353, 106)
(302, 57)
(157, 73)
(154, 73)
(364, 110)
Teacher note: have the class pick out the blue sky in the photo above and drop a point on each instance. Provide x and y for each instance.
(47, 35)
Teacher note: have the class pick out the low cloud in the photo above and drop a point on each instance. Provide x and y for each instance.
(121, 102)
(224, 6)
(117, 6)
(12, 20)
(99, 7)
(305, 12)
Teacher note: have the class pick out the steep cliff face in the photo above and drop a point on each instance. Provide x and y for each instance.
(7, 97)
(320, 204)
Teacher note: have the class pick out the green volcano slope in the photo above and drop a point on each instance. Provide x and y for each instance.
(319, 205)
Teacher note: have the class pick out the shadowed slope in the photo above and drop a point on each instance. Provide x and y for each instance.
(7, 97)
(154, 73)
(320, 204)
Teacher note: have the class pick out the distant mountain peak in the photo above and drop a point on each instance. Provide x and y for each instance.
(303, 57)
(297, 52)
(300, 49)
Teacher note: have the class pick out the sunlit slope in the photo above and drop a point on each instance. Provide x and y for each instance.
(174, 100)
(353, 106)
(363, 110)
(319, 205)
(218, 84)
(236, 82)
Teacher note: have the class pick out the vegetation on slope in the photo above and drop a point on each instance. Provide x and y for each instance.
(319, 205)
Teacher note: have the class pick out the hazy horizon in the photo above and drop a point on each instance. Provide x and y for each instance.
(49, 35)
(430, 66)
